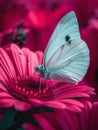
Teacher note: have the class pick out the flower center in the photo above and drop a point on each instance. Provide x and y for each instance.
(27, 86)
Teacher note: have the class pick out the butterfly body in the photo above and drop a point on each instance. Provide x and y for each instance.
(66, 57)
(42, 71)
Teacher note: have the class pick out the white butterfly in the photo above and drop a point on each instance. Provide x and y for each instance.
(66, 56)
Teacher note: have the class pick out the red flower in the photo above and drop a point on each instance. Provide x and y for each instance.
(60, 119)
(45, 120)
(21, 87)
(87, 119)
(89, 34)
(83, 9)
(11, 13)
(41, 18)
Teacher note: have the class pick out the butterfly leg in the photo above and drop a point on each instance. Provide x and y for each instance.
(54, 86)
(40, 84)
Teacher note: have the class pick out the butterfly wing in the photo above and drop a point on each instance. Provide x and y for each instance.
(70, 62)
(67, 26)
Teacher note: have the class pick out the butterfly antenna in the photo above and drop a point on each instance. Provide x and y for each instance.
(40, 84)
(54, 84)
(29, 59)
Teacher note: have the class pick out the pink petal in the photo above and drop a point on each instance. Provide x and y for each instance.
(73, 108)
(86, 89)
(3, 76)
(31, 59)
(72, 88)
(2, 88)
(44, 123)
(87, 103)
(71, 95)
(5, 95)
(20, 61)
(55, 104)
(84, 113)
(6, 64)
(40, 56)
(33, 62)
(94, 117)
(22, 106)
(35, 101)
(73, 102)
(6, 102)
(65, 119)
(50, 116)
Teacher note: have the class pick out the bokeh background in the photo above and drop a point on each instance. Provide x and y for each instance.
(39, 19)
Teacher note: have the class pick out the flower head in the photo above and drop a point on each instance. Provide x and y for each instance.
(87, 119)
(61, 119)
(22, 88)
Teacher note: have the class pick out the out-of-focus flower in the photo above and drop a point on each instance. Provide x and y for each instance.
(45, 120)
(61, 119)
(84, 10)
(22, 88)
(87, 119)
(93, 120)
(90, 35)
(40, 17)
(93, 21)
(11, 13)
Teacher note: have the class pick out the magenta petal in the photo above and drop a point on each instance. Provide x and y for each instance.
(6, 64)
(44, 123)
(20, 60)
(73, 108)
(40, 56)
(73, 102)
(22, 106)
(35, 101)
(65, 119)
(2, 88)
(3, 76)
(31, 59)
(31, 56)
(84, 121)
(6, 102)
(68, 91)
(94, 117)
(71, 95)
(55, 104)
(5, 95)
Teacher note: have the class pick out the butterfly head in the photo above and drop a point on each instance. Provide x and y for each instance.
(42, 71)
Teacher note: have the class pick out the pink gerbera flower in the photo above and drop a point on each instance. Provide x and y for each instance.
(21, 87)
(87, 119)
(61, 119)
